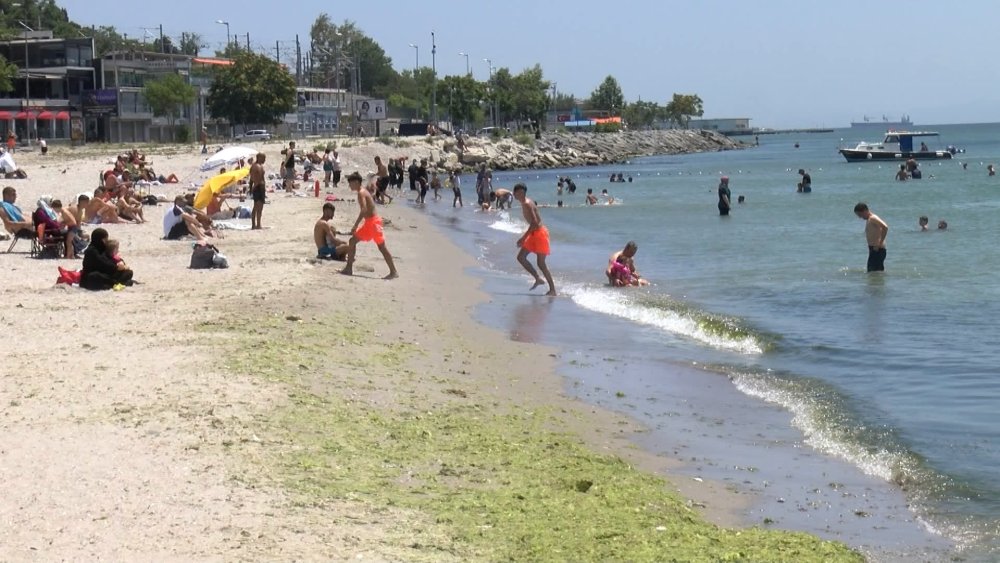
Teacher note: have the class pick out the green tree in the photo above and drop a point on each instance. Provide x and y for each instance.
(230, 51)
(530, 95)
(253, 90)
(167, 95)
(500, 95)
(682, 108)
(608, 96)
(191, 44)
(462, 96)
(563, 102)
(641, 114)
(166, 46)
(343, 49)
(8, 71)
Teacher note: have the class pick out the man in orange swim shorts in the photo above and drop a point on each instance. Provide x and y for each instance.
(535, 239)
(368, 227)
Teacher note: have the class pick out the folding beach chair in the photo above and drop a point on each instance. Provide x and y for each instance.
(23, 234)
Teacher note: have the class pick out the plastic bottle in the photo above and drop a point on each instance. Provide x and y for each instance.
(316, 188)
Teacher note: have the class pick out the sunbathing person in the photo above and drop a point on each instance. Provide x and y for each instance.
(100, 211)
(100, 271)
(178, 222)
(328, 246)
(13, 219)
(203, 218)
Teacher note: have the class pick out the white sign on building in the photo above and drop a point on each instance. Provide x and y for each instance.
(370, 110)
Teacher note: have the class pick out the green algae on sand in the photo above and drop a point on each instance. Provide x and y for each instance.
(498, 482)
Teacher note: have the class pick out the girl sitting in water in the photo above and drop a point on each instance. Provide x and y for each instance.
(621, 273)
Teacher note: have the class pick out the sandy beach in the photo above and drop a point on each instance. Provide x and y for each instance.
(254, 413)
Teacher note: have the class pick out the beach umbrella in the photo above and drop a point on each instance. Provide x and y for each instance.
(228, 157)
(216, 184)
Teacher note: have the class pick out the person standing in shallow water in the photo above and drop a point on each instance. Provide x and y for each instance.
(724, 196)
(875, 232)
(534, 240)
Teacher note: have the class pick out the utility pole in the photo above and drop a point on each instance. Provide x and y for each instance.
(163, 47)
(434, 96)
(248, 42)
(277, 52)
(298, 61)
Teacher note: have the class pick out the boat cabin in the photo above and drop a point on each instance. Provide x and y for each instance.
(903, 140)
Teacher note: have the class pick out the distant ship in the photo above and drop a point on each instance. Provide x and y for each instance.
(885, 125)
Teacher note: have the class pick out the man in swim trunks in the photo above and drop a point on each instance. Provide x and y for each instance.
(624, 257)
(367, 227)
(258, 191)
(534, 240)
(504, 198)
(875, 231)
(328, 246)
(382, 183)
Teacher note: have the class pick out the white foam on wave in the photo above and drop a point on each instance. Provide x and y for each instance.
(506, 224)
(807, 416)
(616, 303)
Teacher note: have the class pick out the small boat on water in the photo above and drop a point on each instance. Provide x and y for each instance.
(898, 145)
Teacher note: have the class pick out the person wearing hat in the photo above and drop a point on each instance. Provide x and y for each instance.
(724, 195)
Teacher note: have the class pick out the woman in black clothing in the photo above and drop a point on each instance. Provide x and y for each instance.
(100, 271)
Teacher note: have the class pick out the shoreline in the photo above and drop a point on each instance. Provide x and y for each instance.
(169, 427)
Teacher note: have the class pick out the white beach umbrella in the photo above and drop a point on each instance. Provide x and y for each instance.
(228, 157)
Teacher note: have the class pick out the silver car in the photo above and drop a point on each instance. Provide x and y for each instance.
(254, 135)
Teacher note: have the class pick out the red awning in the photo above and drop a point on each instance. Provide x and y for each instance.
(213, 61)
(63, 116)
(24, 115)
(6, 115)
(46, 115)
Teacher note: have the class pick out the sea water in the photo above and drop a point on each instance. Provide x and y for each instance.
(896, 373)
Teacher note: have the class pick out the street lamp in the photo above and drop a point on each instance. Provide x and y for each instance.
(489, 65)
(466, 55)
(416, 63)
(27, 88)
(225, 23)
(434, 95)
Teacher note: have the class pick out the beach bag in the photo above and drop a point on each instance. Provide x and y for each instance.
(207, 256)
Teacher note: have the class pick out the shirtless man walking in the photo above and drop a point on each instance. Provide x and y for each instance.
(534, 240)
(382, 181)
(367, 227)
(328, 246)
(258, 191)
(875, 231)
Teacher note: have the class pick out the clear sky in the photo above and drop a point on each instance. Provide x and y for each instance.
(783, 63)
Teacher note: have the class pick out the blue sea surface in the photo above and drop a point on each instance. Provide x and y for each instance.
(895, 373)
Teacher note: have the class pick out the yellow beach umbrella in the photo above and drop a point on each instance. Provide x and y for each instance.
(216, 184)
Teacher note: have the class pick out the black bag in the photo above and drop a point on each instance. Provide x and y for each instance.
(202, 258)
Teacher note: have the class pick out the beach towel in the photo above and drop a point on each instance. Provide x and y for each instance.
(13, 212)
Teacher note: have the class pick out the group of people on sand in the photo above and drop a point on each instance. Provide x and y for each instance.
(103, 267)
(368, 227)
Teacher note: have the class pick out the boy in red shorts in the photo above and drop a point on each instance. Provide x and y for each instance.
(535, 239)
(368, 227)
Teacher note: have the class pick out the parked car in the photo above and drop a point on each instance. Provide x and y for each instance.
(254, 135)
